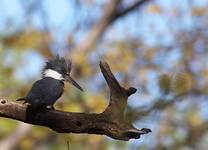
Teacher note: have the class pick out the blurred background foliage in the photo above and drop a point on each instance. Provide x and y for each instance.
(160, 47)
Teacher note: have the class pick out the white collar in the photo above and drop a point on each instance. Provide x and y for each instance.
(53, 74)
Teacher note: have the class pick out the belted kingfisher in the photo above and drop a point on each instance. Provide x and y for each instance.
(46, 91)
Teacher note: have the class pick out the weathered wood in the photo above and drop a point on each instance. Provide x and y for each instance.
(111, 122)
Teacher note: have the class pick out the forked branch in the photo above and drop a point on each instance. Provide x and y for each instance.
(111, 122)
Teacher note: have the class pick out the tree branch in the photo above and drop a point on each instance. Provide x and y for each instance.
(160, 104)
(110, 15)
(111, 122)
(130, 8)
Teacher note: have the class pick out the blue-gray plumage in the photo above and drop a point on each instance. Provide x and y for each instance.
(46, 91)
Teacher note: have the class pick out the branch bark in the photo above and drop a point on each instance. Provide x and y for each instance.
(111, 122)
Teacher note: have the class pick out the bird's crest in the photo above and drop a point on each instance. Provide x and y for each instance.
(58, 64)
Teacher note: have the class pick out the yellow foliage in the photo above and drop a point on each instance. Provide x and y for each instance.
(149, 53)
(94, 139)
(199, 11)
(142, 73)
(164, 83)
(194, 119)
(82, 67)
(205, 74)
(6, 126)
(26, 144)
(96, 103)
(73, 107)
(165, 126)
(39, 132)
(31, 39)
(153, 8)
(182, 83)
(114, 58)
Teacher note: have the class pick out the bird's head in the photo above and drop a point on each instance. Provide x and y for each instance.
(59, 69)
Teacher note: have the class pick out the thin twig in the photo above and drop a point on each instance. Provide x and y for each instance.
(68, 145)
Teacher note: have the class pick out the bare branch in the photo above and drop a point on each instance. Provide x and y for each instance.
(161, 104)
(111, 122)
(130, 8)
(111, 14)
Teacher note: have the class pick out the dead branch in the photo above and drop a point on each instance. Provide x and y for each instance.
(111, 122)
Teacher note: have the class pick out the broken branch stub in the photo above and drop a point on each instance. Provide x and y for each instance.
(117, 104)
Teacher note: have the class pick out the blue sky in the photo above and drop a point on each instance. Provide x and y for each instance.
(62, 18)
(153, 28)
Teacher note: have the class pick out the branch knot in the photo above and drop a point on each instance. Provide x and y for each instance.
(131, 91)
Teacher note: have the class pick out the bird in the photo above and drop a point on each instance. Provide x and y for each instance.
(46, 91)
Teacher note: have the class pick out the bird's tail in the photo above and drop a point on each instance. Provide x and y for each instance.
(22, 99)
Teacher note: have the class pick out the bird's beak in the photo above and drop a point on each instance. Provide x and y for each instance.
(70, 80)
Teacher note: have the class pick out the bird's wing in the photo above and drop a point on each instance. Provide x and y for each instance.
(45, 91)
(36, 91)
